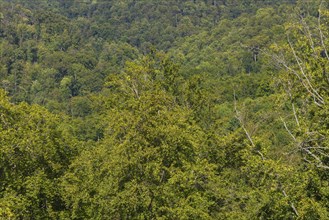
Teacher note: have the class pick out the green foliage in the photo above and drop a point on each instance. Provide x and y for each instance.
(198, 131)
(151, 162)
(35, 152)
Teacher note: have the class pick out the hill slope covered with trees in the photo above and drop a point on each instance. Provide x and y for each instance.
(164, 109)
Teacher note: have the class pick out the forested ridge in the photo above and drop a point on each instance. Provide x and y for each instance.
(196, 109)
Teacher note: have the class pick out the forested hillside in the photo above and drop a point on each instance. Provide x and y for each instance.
(196, 109)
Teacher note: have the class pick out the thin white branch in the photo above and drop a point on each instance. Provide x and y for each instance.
(238, 116)
(321, 32)
(289, 132)
(282, 62)
(314, 93)
(291, 204)
(295, 114)
(307, 33)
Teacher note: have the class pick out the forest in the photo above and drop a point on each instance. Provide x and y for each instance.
(163, 109)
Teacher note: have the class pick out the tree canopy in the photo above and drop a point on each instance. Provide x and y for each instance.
(164, 109)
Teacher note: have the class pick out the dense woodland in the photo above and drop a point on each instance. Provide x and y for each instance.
(194, 109)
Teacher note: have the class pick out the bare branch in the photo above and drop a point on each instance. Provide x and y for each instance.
(307, 33)
(291, 204)
(238, 116)
(309, 86)
(286, 127)
(282, 62)
(295, 114)
(321, 32)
